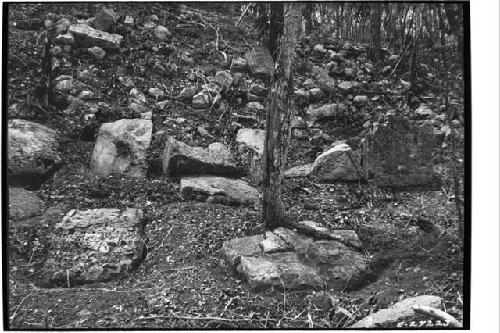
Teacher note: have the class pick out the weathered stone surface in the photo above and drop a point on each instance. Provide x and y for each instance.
(309, 84)
(361, 100)
(251, 138)
(255, 107)
(95, 245)
(248, 246)
(423, 112)
(97, 52)
(398, 311)
(325, 81)
(279, 270)
(86, 36)
(121, 147)
(299, 171)
(259, 90)
(326, 112)
(260, 62)
(348, 237)
(218, 190)
(187, 93)
(295, 260)
(33, 152)
(66, 39)
(399, 154)
(23, 204)
(65, 84)
(182, 159)
(274, 243)
(338, 163)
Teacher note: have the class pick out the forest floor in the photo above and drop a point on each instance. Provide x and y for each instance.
(184, 282)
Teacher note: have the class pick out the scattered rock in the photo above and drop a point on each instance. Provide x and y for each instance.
(97, 52)
(301, 97)
(309, 84)
(162, 33)
(200, 101)
(105, 19)
(255, 107)
(326, 112)
(398, 311)
(274, 243)
(325, 81)
(299, 171)
(252, 139)
(361, 100)
(86, 36)
(187, 93)
(259, 90)
(23, 204)
(337, 164)
(95, 245)
(260, 62)
(316, 95)
(348, 237)
(129, 21)
(239, 65)
(66, 39)
(423, 112)
(33, 152)
(224, 80)
(181, 159)
(347, 86)
(218, 190)
(121, 147)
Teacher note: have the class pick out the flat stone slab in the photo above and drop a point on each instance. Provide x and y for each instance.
(121, 147)
(95, 245)
(33, 152)
(348, 237)
(398, 311)
(218, 190)
(281, 270)
(299, 171)
(284, 258)
(182, 159)
(86, 36)
(23, 204)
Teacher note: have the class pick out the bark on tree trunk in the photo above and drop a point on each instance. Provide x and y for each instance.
(375, 19)
(281, 108)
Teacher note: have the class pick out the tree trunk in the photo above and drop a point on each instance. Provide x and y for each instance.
(308, 10)
(375, 20)
(281, 107)
(276, 28)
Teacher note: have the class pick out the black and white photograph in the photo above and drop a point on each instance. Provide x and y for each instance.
(236, 165)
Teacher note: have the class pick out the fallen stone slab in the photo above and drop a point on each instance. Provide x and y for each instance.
(298, 261)
(219, 190)
(337, 164)
(311, 228)
(248, 246)
(182, 159)
(280, 270)
(86, 36)
(23, 204)
(398, 311)
(95, 245)
(33, 153)
(121, 148)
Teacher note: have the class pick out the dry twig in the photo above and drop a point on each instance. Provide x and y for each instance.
(438, 314)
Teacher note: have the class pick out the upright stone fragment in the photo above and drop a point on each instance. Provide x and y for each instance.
(218, 190)
(121, 147)
(260, 62)
(250, 145)
(33, 152)
(23, 204)
(182, 159)
(399, 154)
(86, 36)
(337, 164)
(95, 245)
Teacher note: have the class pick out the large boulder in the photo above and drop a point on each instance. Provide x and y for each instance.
(260, 62)
(182, 159)
(86, 36)
(23, 204)
(95, 245)
(121, 147)
(33, 152)
(337, 164)
(218, 190)
(397, 312)
(398, 154)
(284, 258)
